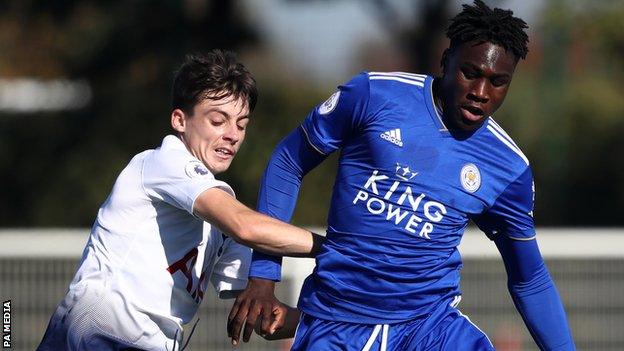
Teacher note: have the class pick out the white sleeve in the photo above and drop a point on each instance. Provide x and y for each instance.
(178, 178)
(232, 267)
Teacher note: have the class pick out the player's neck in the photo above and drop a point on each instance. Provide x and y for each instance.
(437, 100)
(447, 120)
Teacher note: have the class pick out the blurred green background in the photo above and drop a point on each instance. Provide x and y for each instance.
(58, 163)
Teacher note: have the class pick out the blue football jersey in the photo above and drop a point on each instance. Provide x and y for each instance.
(405, 191)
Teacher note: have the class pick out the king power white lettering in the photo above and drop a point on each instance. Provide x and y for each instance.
(394, 211)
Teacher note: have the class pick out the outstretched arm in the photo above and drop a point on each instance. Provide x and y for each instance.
(535, 294)
(254, 229)
(324, 131)
(290, 161)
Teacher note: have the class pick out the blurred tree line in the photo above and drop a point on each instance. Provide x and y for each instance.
(565, 107)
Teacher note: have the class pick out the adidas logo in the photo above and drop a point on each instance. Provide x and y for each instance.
(393, 136)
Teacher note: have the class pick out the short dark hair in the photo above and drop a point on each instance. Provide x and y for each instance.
(481, 24)
(214, 75)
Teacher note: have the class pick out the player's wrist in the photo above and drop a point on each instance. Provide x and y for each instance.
(262, 283)
(265, 274)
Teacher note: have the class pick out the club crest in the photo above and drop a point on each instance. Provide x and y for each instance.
(196, 169)
(470, 177)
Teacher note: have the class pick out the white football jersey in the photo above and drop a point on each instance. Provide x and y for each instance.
(147, 246)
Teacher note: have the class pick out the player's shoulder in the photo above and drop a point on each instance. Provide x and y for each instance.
(173, 158)
(395, 79)
(135, 166)
(139, 158)
(397, 86)
(386, 84)
(504, 147)
(398, 79)
(172, 150)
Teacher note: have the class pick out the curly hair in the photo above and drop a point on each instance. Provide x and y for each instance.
(478, 23)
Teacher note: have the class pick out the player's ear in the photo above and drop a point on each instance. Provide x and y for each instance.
(444, 60)
(178, 120)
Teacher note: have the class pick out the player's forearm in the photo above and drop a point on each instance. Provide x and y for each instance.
(274, 237)
(254, 229)
(290, 161)
(534, 294)
(542, 310)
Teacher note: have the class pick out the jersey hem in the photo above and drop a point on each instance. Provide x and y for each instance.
(216, 184)
(357, 319)
(443, 302)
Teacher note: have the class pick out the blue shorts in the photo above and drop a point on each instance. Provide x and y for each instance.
(445, 329)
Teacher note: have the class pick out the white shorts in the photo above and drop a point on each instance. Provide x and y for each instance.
(91, 317)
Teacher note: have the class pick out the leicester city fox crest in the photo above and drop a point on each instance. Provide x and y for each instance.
(470, 177)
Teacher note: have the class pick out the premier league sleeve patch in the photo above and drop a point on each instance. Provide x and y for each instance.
(330, 104)
(196, 169)
(470, 177)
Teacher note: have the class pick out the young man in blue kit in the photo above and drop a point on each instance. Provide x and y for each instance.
(419, 158)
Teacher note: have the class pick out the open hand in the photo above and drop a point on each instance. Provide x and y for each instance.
(256, 301)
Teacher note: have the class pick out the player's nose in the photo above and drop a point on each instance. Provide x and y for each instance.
(479, 91)
(232, 134)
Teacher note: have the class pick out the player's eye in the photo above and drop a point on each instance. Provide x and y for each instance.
(498, 82)
(242, 124)
(469, 74)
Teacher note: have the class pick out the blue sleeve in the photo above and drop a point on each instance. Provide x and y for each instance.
(331, 123)
(535, 294)
(324, 130)
(512, 212)
(291, 160)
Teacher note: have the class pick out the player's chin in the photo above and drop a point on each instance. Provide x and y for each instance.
(220, 166)
(471, 118)
(472, 124)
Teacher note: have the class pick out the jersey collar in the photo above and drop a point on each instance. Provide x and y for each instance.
(436, 116)
(172, 142)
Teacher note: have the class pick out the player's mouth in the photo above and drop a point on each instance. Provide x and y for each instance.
(224, 153)
(471, 113)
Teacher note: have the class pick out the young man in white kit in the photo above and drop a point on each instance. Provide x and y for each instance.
(156, 242)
